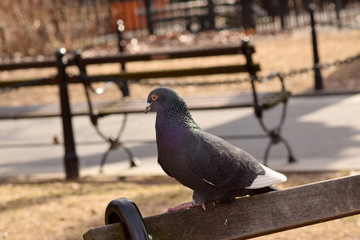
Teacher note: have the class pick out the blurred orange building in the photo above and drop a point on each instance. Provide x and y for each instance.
(132, 12)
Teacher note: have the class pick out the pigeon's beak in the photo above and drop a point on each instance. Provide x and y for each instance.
(147, 108)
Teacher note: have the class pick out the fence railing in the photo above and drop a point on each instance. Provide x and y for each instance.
(262, 16)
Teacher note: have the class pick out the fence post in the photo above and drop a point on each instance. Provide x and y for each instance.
(211, 14)
(149, 16)
(338, 7)
(71, 161)
(296, 13)
(282, 5)
(248, 14)
(317, 72)
(120, 27)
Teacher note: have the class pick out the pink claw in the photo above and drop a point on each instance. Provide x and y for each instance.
(187, 205)
(180, 206)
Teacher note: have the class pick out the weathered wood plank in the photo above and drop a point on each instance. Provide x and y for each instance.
(112, 231)
(161, 55)
(253, 216)
(131, 105)
(174, 73)
(128, 57)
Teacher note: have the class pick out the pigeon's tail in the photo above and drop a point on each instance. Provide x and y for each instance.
(260, 190)
(269, 178)
(228, 198)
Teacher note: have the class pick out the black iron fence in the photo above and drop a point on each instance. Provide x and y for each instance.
(36, 27)
(260, 16)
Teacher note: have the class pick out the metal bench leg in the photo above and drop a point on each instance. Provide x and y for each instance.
(276, 137)
(115, 144)
(134, 162)
(267, 151)
(103, 159)
(114, 140)
(291, 158)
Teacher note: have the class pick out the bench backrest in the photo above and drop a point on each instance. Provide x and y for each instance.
(124, 58)
(243, 49)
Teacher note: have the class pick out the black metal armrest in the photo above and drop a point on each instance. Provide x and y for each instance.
(272, 99)
(271, 76)
(122, 84)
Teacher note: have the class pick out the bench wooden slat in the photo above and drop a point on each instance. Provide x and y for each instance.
(193, 102)
(134, 105)
(28, 82)
(40, 111)
(173, 73)
(221, 101)
(252, 216)
(161, 55)
(127, 57)
(30, 111)
(273, 99)
(27, 65)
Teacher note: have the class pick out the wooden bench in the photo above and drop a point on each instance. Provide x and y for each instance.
(245, 218)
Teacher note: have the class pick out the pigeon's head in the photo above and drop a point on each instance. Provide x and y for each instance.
(161, 98)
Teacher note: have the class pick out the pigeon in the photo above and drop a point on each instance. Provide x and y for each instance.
(215, 170)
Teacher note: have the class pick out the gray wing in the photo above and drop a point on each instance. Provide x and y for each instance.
(221, 164)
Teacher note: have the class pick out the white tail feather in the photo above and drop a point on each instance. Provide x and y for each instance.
(270, 178)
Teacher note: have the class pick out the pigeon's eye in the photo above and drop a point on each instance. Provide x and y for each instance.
(154, 97)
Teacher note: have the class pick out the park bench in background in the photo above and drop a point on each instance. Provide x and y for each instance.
(259, 101)
(71, 163)
(245, 218)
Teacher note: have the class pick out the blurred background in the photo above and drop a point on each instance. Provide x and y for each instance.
(35, 27)
(324, 130)
(31, 30)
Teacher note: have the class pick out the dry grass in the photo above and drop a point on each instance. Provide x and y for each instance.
(65, 210)
(32, 27)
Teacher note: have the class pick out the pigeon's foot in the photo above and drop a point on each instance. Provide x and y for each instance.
(203, 205)
(180, 206)
(188, 205)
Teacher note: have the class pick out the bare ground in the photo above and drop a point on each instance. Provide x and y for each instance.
(66, 210)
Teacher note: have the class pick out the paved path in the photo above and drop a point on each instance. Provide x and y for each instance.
(323, 131)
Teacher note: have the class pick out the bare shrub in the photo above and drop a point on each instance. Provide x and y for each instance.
(29, 27)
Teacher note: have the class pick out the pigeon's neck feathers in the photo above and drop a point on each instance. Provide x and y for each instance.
(176, 115)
